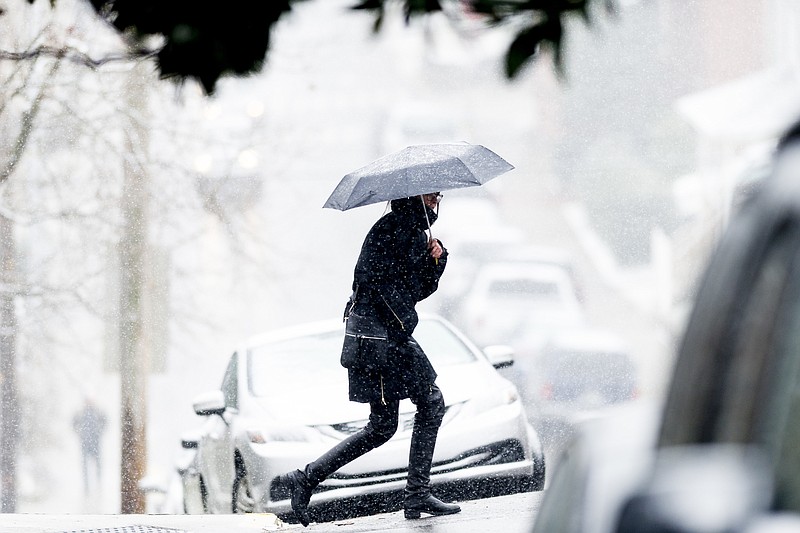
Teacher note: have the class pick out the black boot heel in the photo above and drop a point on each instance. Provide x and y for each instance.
(415, 506)
(411, 514)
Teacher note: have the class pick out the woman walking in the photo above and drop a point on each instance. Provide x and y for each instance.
(399, 265)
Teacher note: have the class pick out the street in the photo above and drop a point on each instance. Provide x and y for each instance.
(509, 514)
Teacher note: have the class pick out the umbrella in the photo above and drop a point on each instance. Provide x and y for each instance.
(415, 170)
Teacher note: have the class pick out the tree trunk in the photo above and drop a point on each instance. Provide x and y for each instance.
(133, 263)
(9, 399)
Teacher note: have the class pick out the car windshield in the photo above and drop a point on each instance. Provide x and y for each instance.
(573, 373)
(312, 361)
(587, 362)
(525, 288)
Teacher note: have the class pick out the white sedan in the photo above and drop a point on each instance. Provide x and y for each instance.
(283, 402)
(520, 302)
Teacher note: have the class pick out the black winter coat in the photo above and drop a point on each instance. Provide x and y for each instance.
(394, 271)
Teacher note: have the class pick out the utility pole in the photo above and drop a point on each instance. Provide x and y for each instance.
(9, 402)
(134, 265)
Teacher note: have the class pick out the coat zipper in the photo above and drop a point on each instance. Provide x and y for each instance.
(365, 337)
(402, 326)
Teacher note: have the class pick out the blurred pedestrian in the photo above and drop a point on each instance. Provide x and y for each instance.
(89, 423)
(399, 265)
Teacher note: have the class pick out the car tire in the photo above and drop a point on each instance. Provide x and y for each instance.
(539, 474)
(243, 501)
(195, 498)
(203, 495)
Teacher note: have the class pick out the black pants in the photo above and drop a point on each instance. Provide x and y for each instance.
(382, 425)
(90, 456)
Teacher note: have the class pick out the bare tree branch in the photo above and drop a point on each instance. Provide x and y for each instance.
(26, 128)
(77, 56)
(15, 72)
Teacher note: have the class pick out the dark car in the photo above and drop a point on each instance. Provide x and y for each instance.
(579, 374)
(583, 369)
(725, 456)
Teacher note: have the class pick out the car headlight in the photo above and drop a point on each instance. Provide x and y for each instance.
(257, 436)
(491, 398)
(509, 395)
(264, 435)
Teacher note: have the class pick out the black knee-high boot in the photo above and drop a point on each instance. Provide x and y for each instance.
(430, 411)
(346, 451)
(300, 483)
(418, 497)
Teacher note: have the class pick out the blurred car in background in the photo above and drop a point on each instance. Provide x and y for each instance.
(725, 456)
(466, 257)
(578, 375)
(193, 491)
(603, 464)
(513, 301)
(284, 401)
(547, 255)
(580, 370)
(472, 229)
(179, 490)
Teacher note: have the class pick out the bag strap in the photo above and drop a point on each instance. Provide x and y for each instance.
(352, 303)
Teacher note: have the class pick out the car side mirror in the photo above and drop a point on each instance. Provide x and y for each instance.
(499, 355)
(700, 488)
(189, 441)
(209, 403)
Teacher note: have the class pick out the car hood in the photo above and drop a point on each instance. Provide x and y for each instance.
(329, 403)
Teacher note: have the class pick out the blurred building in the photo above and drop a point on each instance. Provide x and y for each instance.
(737, 121)
(663, 121)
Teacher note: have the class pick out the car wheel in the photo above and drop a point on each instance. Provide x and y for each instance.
(194, 495)
(203, 495)
(243, 501)
(539, 474)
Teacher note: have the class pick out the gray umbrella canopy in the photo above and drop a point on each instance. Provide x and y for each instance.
(418, 169)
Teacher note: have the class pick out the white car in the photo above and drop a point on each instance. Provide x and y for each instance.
(284, 401)
(473, 233)
(518, 300)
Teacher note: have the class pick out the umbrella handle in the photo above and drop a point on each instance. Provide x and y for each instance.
(428, 220)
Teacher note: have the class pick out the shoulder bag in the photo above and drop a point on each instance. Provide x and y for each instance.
(366, 342)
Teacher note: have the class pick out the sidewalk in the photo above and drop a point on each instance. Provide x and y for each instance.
(131, 523)
(510, 514)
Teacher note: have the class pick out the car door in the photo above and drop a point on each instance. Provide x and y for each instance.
(219, 444)
(751, 393)
(725, 350)
(765, 407)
